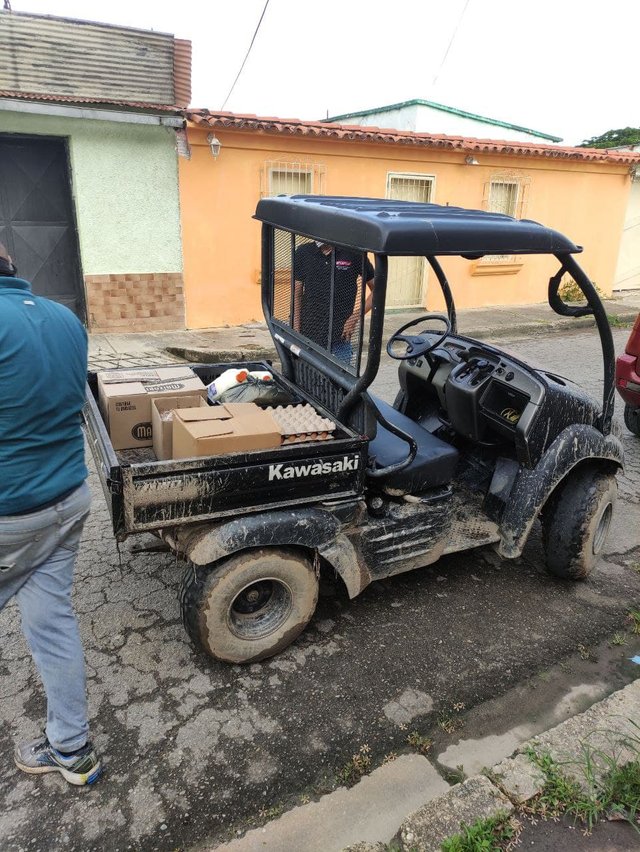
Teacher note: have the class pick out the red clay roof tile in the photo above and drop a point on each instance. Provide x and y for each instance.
(359, 133)
(72, 99)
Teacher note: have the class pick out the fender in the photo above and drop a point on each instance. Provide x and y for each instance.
(531, 488)
(311, 528)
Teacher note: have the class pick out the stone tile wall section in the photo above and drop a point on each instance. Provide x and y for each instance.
(135, 302)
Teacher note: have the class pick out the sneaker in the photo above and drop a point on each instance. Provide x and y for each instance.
(39, 756)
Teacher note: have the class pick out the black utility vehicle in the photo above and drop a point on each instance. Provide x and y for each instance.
(477, 445)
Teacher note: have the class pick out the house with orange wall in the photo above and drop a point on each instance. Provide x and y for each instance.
(230, 161)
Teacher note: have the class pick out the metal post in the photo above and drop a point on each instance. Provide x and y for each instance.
(446, 292)
(606, 338)
(375, 338)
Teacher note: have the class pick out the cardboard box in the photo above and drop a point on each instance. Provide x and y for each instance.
(219, 429)
(162, 426)
(124, 397)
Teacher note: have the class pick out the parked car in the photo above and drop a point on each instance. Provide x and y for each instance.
(628, 379)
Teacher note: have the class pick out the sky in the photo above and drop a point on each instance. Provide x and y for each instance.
(567, 68)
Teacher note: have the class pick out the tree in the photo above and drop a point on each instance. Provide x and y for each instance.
(613, 138)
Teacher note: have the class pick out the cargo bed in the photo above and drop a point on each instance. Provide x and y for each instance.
(149, 495)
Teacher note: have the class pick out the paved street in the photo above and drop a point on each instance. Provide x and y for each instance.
(196, 750)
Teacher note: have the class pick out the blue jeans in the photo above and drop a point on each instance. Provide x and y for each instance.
(37, 558)
(343, 350)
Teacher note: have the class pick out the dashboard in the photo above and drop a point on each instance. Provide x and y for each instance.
(487, 396)
(491, 398)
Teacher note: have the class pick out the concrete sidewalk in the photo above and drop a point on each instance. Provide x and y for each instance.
(252, 341)
(381, 811)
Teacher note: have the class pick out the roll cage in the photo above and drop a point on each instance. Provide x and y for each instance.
(386, 228)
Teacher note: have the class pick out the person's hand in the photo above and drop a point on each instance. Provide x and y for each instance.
(349, 327)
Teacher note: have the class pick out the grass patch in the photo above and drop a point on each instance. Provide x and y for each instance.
(617, 322)
(271, 813)
(585, 652)
(569, 291)
(419, 743)
(449, 720)
(494, 834)
(634, 618)
(618, 639)
(354, 769)
(454, 776)
(612, 788)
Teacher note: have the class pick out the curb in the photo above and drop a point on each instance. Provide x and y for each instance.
(210, 355)
(205, 355)
(547, 327)
(606, 725)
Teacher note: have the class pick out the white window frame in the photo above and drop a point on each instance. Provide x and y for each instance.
(509, 263)
(422, 177)
(418, 176)
(316, 171)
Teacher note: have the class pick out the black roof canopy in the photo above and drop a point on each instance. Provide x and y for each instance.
(391, 227)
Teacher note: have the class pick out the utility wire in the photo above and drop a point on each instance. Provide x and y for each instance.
(455, 33)
(247, 56)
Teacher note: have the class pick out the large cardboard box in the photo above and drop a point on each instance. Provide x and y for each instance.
(162, 408)
(124, 397)
(218, 429)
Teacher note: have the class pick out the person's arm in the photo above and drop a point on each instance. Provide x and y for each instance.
(352, 322)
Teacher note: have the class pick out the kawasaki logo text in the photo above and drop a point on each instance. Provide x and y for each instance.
(297, 471)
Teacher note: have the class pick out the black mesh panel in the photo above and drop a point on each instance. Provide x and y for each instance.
(320, 292)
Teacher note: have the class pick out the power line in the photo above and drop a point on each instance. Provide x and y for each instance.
(247, 56)
(455, 33)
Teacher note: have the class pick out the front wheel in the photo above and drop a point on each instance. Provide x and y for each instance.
(576, 520)
(632, 419)
(250, 606)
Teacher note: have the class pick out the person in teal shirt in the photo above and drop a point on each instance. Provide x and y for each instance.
(44, 502)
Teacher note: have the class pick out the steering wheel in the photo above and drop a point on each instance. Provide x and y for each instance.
(416, 344)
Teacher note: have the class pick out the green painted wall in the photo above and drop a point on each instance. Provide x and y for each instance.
(125, 184)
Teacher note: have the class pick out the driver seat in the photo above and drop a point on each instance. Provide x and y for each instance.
(435, 461)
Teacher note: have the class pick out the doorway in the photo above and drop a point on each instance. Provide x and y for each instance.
(407, 276)
(37, 220)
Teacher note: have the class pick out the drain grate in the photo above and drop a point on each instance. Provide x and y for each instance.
(122, 360)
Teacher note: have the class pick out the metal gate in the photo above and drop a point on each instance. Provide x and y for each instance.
(406, 283)
(37, 222)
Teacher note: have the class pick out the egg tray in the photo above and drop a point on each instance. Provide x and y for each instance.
(302, 423)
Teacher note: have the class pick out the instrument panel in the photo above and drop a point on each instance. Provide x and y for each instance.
(484, 393)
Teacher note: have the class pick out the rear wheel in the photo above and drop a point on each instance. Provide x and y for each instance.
(576, 520)
(632, 419)
(250, 606)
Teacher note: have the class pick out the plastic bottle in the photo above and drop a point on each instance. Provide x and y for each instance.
(262, 375)
(225, 380)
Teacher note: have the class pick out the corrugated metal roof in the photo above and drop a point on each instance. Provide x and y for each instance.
(182, 71)
(87, 61)
(357, 133)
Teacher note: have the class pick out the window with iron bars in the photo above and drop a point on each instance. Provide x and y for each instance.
(407, 279)
(505, 193)
(282, 178)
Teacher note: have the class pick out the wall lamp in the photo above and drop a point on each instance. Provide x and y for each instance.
(214, 144)
(471, 161)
